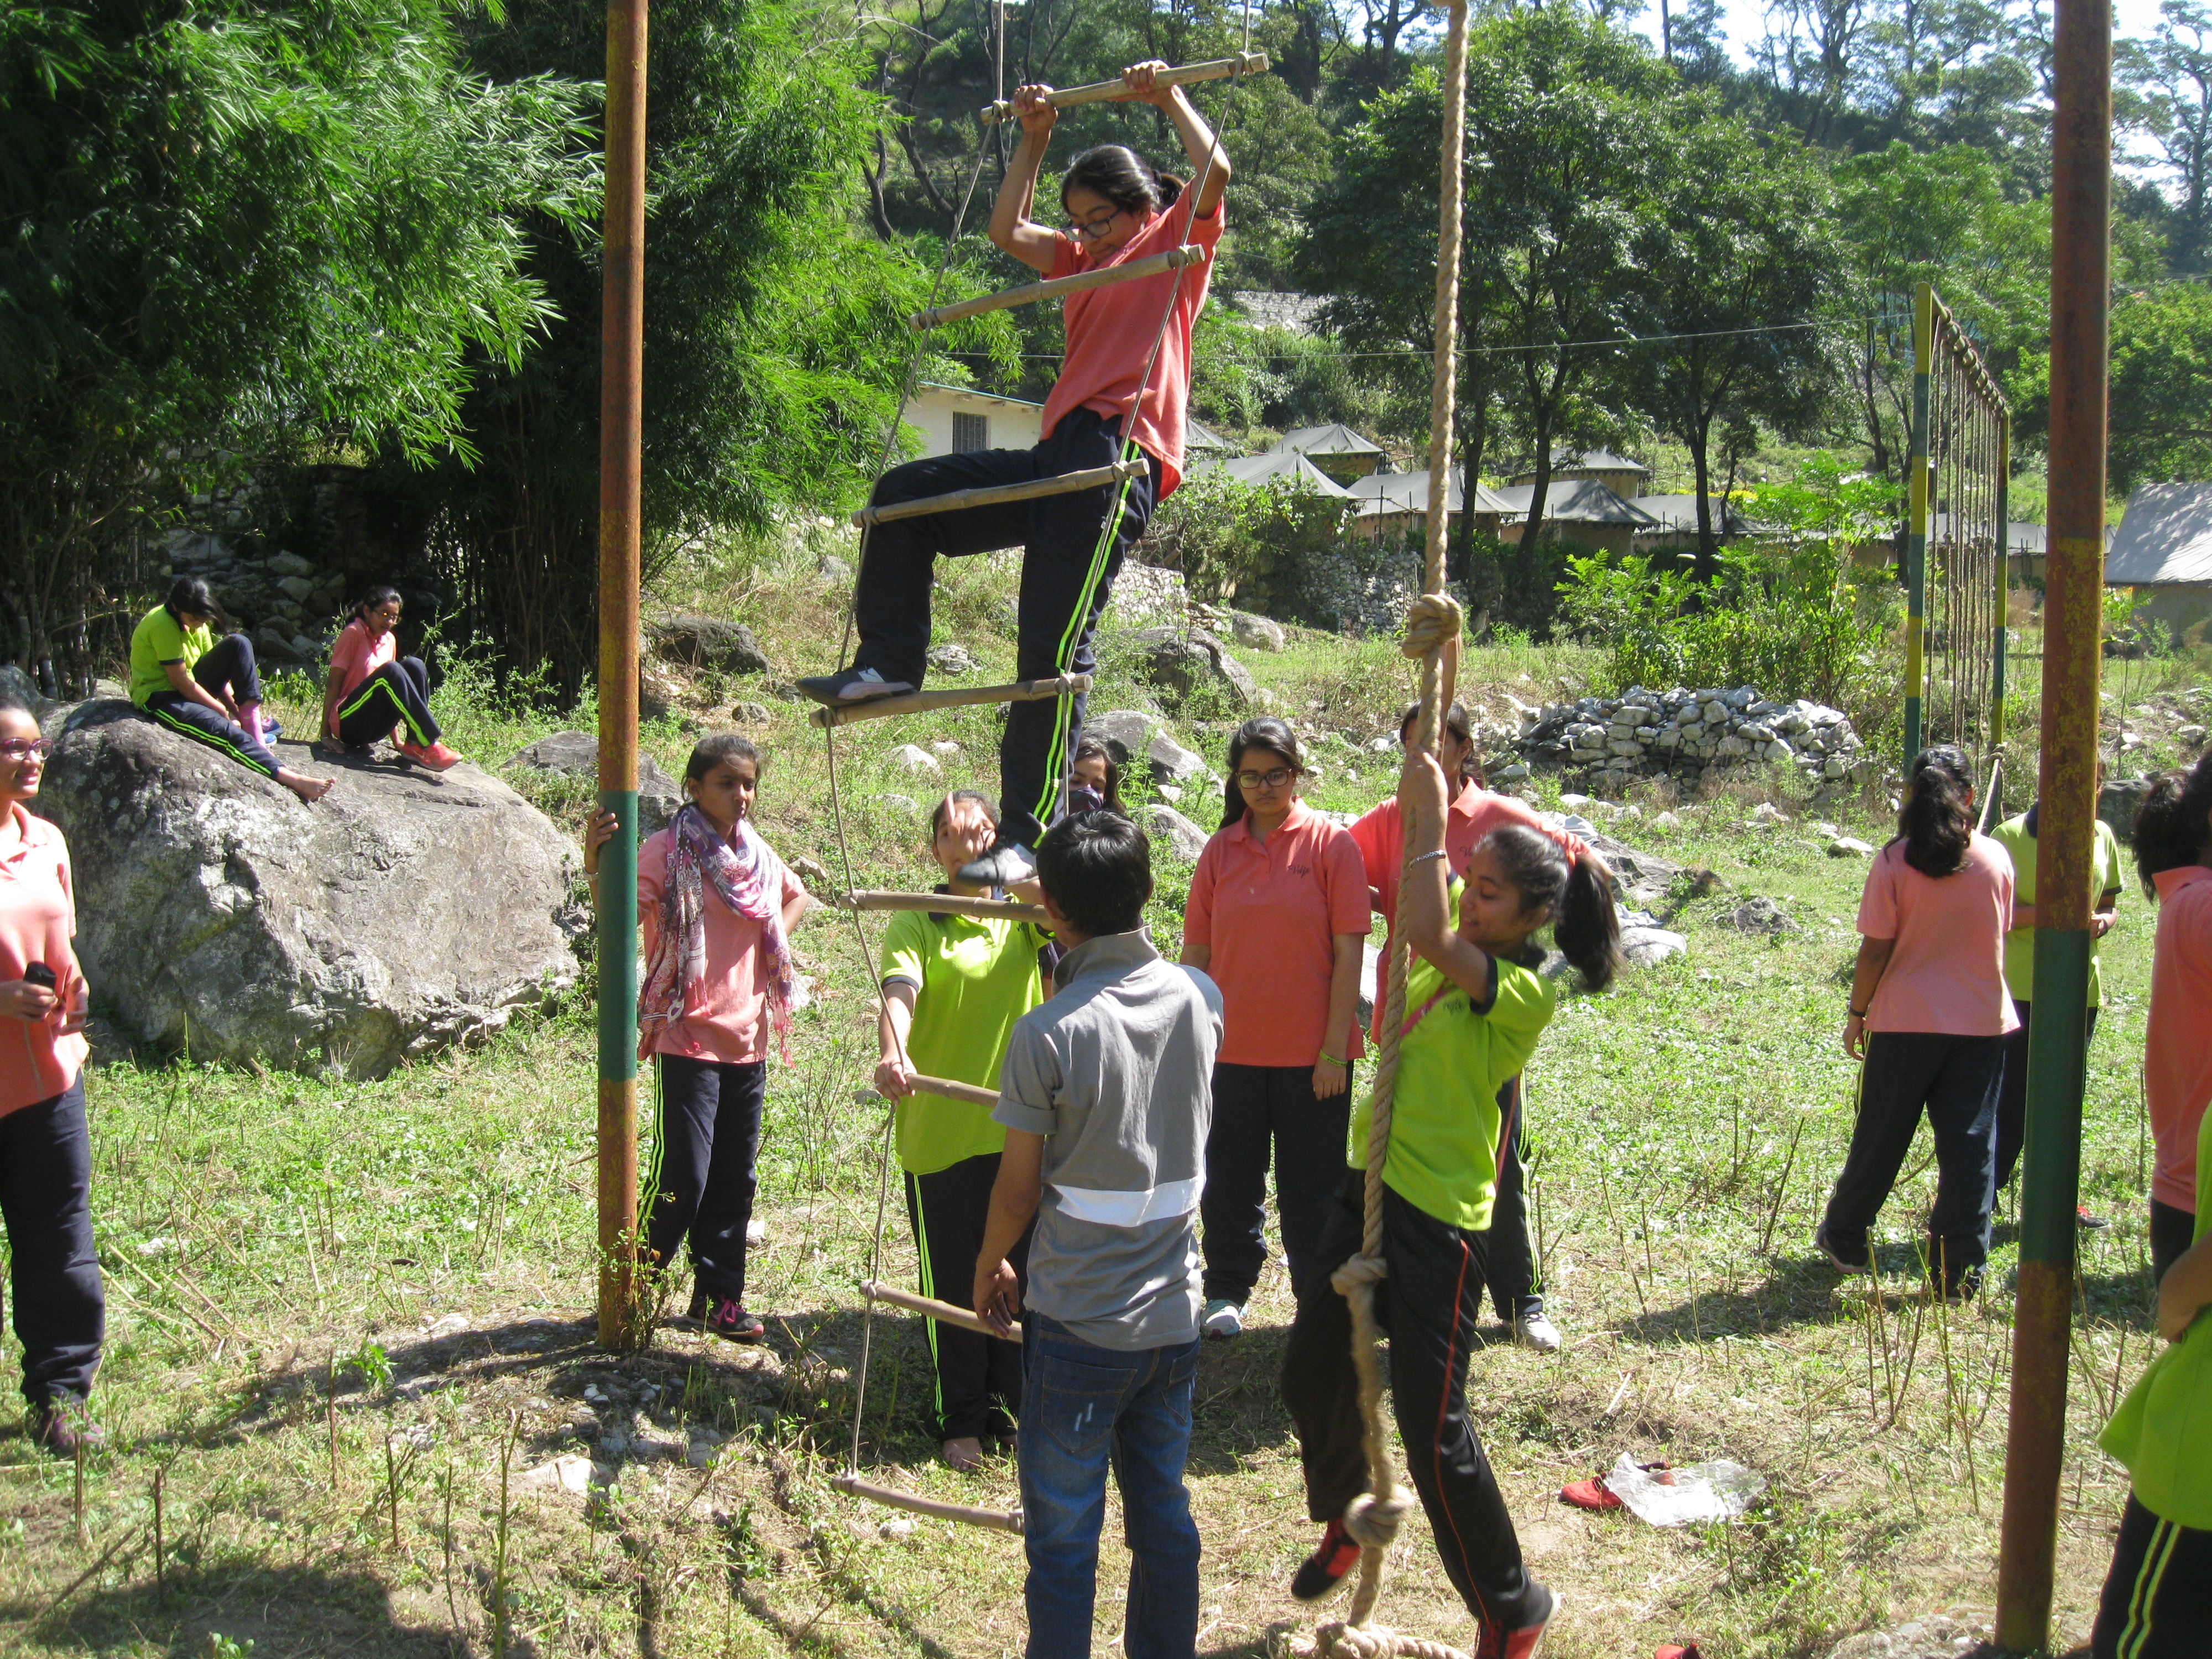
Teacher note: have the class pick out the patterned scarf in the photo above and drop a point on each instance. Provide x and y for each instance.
(749, 878)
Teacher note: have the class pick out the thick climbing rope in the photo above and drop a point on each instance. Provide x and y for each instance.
(1432, 634)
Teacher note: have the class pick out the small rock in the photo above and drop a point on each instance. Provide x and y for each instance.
(917, 762)
(1850, 847)
(1767, 813)
(1512, 773)
(1185, 841)
(833, 570)
(569, 1474)
(1182, 665)
(1646, 947)
(899, 1526)
(1761, 916)
(1169, 762)
(750, 713)
(452, 1325)
(901, 803)
(1256, 633)
(945, 748)
(1667, 821)
(2190, 736)
(1389, 746)
(951, 660)
(1170, 792)
(576, 755)
(709, 642)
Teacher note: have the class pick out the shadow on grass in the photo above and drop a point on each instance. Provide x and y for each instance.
(1794, 1292)
(277, 1612)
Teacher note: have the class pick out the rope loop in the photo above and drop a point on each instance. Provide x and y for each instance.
(1433, 622)
(1373, 1522)
(1359, 1270)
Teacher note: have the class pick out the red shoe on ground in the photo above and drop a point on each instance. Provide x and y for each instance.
(435, 756)
(1677, 1650)
(1322, 1573)
(1591, 1494)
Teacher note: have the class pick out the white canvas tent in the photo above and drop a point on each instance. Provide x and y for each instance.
(1264, 469)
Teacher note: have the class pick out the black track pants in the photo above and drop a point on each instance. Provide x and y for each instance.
(979, 1378)
(228, 666)
(1257, 1110)
(397, 694)
(1511, 1271)
(46, 1200)
(1430, 1304)
(700, 1190)
(1059, 535)
(2158, 1597)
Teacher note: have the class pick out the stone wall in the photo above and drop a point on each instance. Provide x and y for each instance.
(1683, 734)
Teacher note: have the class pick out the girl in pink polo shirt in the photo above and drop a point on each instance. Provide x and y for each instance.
(373, 692)
(2174, 850)
(1510, 1266)
(1928, 1016)
(45, 1150)
(717, 906)
(1277, 913)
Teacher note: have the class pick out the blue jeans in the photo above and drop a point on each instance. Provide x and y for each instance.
(1082, 1407)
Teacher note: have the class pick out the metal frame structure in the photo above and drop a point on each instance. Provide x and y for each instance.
(1957, 583)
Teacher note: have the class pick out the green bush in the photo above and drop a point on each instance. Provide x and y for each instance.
(1788, 622)
(1272, 548)
(1515, 587)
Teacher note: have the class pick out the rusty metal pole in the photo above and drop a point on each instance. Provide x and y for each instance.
(2080, 208)
(622, 354)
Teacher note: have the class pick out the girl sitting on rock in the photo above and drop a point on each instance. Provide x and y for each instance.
(209, 689)
(952, 987)
(717, 906)
(373, 691)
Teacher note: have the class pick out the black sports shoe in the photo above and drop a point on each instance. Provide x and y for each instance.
(1842, 1264)
(2083, 1219)
(850, 686)
(63, 1424)
(1321, 1573)
(1002, 866)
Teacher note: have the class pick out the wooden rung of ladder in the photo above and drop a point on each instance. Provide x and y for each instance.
(999, 1520)
(1029, 293)
(943, 1312)
(1217, 69)
(1065, 483)
(946, 905)
(958, 697)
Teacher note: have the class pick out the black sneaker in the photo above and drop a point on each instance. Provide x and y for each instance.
(850, 686)
(1321, 1573)
(1003, 866)
(726, 1320)
(1959, 1287)
(2088, 1222)
(60, 1425)
(1842, 1264)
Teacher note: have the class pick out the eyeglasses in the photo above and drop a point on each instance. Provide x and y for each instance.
(22, 749)
(1095, 226)
(1274, 780)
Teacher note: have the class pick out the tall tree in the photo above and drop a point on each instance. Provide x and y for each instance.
(1741, 283)
(237, 229)
(2168, 101)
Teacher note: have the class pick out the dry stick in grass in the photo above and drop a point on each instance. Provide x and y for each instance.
(161, 1542)
(86, 1576)
(76, 1503)
(1954, 1406)
(330, 1411)
(307, 1238)
(500, 1631)
(1781, 1186)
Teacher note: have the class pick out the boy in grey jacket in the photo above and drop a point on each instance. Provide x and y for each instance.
(1106, 1103)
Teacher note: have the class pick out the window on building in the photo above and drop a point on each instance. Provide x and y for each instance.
(969, 433)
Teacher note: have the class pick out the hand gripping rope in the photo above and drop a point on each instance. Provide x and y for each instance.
(1064, 685)
(1432, 634)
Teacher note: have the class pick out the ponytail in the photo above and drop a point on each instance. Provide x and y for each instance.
(2173, 825)
(1116, 173)
(1937, 822)
(1575, 886)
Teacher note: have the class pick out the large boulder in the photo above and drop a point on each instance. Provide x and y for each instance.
(1639, 878)
(576, 755)
(707, 642)
(2119, 801)
(1184, 665)
(404, 912)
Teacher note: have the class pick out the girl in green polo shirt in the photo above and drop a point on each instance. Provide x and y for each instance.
(952, 988)
(1473, 1012)
(2158, 1597)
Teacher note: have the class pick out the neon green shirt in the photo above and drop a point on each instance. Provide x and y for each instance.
(2106, 876)
(161, 639)
(2163, 1430)
(1443, 1119)
(973, 977)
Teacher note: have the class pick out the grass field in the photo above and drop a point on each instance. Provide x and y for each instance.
(346, 1318)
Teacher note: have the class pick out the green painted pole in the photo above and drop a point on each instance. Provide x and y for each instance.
(621, 357)
(1916, 535)
(2080, 265)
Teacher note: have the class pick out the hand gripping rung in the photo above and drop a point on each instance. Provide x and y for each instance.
(992, 494)
(1217, 69)
(916, 702)
(943, 1312)
(999, 1520)
(1029, 293)
(947, 904)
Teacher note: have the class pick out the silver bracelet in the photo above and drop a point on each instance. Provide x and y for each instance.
(1423, 858)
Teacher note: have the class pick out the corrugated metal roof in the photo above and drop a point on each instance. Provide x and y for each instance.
(2165, 537)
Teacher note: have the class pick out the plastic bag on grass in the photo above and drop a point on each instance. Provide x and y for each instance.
(1715, 1491)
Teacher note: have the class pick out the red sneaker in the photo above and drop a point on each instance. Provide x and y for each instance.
(1321, 1573)
(1522, 1641)
(1591, 1494)
(726, 1319)
(435, 756)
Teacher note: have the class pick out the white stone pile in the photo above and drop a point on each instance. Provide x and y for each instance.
(1681, 732)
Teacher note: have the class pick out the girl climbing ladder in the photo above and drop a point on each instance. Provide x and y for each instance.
(1125, 381)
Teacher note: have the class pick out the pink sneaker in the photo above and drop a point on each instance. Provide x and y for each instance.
(435, 756)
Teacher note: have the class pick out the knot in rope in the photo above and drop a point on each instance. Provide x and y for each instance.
(1344, 1641)
(1373, 1522)
(1359, 1270)
(1432, 622)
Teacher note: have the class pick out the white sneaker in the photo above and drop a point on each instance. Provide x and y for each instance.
(1537, 1331)
(1222, 1319)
